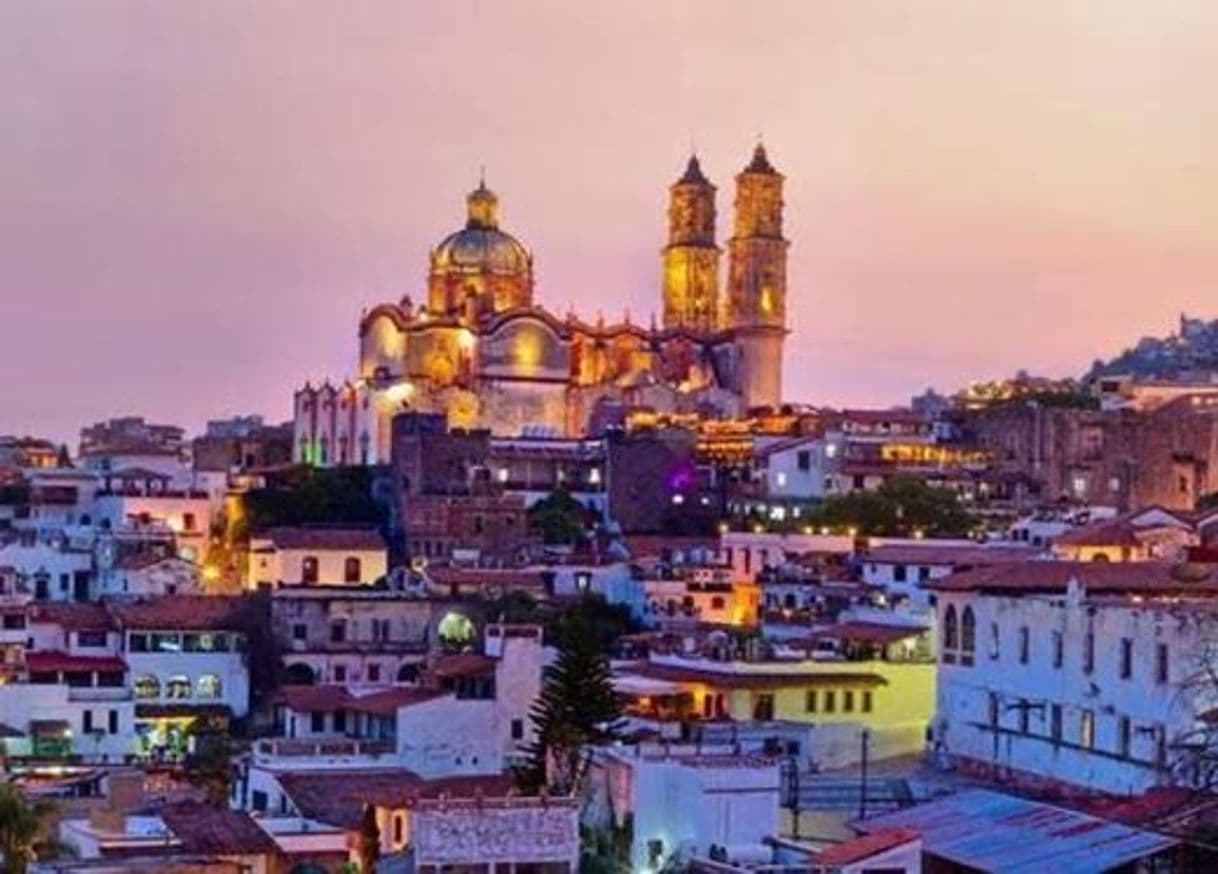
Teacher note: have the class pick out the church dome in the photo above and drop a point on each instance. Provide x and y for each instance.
(480, 246)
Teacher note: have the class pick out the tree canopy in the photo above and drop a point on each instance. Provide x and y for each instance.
(559, 519)
(577, 707)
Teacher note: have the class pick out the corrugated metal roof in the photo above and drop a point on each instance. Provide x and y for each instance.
(991, 831)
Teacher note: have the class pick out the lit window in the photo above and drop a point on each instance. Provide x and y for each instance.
(147, 687)
(781, 479)
(209, 687)
(594, 476)
(1086, 730)
(178, 687)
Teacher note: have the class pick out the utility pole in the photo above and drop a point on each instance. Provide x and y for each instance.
(865, 738)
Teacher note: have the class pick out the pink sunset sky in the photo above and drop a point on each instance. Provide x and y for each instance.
(198, 198)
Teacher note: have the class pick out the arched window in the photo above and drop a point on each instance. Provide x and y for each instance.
(968, 636)
(351, 569)
(308, 569)
(208, 687)
(178, 687)
(147, 687)
(951, 634)
(299, 674)
(408, 673)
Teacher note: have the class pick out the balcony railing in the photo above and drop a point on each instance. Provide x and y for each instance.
(98, 693)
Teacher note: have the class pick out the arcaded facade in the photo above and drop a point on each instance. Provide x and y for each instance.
(483, 352)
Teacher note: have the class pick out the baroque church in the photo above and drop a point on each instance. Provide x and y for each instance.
(481, 350)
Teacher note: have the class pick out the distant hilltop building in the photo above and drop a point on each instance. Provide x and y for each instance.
(484, 353)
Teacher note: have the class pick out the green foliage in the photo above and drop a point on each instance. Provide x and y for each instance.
(369, 841)
(898, 508)
(606, 622)
(559, 519)
(311, 496)
(577, 707)
(23, 835)
(210, 766)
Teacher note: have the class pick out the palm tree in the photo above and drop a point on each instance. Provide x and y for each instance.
(21, 829)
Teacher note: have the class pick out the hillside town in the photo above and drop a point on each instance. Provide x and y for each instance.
(528, 592)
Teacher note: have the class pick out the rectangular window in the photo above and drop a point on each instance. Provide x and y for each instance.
(1055, 723)
(517, 729)
(1124, 737)
(86, 721)
(923, 574)
(866, 702)
(1024, 644)
(374, 673)
(340, 720)
(317, 722)
(830, 701)
(763, 709)
(112, 722)
(1058, 649)
(340, 673)
(1161, 663)
(803, 460)
(91, 639)
(300, 631)
(898, 573)
(137, 642)
(1088, 653)
(338, 631)
(848, 701)
(258, 800)
(1126, 658)
(810, 701)
(1086, 730)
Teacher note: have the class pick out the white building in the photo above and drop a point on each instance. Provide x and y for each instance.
(325, 556)
(684, 801)
(903, 569)
(1091, 674)
(794, 468)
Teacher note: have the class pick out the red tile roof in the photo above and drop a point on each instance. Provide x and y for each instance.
(860, 849)
(184, 612)
(654, 545)
(339, 797)
(931, 553)
(752, 680)
(326, 538)
(53, 660)
(83, 616)
(1098, 577)
(1105, 532)
(466, 664)
(203, 828)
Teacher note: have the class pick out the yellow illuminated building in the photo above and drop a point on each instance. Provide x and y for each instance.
(482, 350)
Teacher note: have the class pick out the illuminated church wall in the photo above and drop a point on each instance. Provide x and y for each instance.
(484, 354)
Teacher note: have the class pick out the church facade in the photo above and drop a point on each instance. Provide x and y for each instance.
(480, 350)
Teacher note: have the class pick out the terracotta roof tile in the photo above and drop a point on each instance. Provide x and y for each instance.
(325, 538)
(83, 616)
(328, 698)
(1098, 577)
(751, 680)
(203, 828)
(184, 612)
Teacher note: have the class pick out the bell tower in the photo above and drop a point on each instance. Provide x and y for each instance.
(756, 305)
(691, 258)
